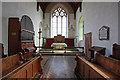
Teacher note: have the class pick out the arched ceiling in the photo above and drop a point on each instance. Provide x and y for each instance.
(74, 5)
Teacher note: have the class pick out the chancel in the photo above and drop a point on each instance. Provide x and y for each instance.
(60, 40)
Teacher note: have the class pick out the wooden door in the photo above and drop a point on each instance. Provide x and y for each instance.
(14, 36)
(88, 44)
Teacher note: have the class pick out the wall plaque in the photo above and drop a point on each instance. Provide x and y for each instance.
(104, 33)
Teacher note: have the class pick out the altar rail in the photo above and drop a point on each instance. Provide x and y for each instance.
(104, 68)
(52, 48)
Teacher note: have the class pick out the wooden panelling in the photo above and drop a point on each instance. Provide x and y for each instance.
(68, 41)
(9, 63)
(36, 66)
(49, 41)
(28, 55)
(59, 39)
(15, 58)
(14, 42)
(20, 74)
(27, 70)
(116, 51)
(12, 62)
(26, 44)
(88, 44)
(108, 63)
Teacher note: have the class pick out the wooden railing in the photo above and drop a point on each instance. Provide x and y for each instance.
(52, 48)
(74, 48)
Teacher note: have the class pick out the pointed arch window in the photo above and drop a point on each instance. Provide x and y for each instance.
(59, 22)
(81, 28)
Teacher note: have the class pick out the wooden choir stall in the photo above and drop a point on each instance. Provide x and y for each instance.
(22, 62)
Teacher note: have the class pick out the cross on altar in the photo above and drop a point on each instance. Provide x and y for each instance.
(39, 38)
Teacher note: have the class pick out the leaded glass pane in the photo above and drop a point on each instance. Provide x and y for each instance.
(59, 22)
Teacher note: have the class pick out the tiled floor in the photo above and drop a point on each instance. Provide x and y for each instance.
(60, 67)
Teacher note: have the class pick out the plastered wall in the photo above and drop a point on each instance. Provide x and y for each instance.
(97, 14)
(18, 9)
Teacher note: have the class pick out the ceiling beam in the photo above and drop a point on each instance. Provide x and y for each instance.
(74, 5)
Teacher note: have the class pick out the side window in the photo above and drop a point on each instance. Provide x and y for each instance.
(81, 28)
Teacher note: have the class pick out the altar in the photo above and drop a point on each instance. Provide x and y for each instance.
(58, 45)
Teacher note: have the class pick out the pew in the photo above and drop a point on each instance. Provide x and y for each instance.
(9, 63)
(12, 68)
(30, 70)
(101, 68)
(115, 51)
(88, 44)
(100, 50)
(28, 48)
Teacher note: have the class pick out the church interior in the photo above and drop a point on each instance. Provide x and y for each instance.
(60, 40)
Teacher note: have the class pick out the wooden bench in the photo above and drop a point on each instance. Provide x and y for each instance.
(9, 63)
(28, 48)
(103, 68)
(28, 70)
(12, 68)
(115, 51)
(100, 50)
(108, 63)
